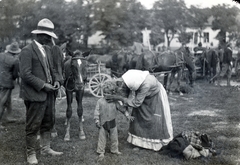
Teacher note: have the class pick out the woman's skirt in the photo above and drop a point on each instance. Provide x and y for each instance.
(152, 125)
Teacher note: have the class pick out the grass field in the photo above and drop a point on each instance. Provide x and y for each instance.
(210, 109)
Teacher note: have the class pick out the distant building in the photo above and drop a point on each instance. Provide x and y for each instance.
(207, 38)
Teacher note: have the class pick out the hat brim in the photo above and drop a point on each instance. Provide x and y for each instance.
(9, 50)
(45, 32)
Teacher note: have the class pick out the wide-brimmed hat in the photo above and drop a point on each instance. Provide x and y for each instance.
(13, 48)
(45, 26)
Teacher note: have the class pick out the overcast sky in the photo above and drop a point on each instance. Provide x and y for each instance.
(202, 3)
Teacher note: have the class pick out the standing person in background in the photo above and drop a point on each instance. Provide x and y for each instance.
(38, 86)
(137, 48)
(152, 124)
(8, 73)
(237, 66)
(226, 65)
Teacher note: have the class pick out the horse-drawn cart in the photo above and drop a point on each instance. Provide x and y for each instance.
(97, 75)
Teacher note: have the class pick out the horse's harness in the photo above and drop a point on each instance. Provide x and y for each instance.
(180, 62)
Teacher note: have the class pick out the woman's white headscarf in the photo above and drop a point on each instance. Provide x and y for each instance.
(134, 78)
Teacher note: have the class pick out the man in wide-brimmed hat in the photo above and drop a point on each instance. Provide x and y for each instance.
(38, 85)
(13, 48)
(8, 73)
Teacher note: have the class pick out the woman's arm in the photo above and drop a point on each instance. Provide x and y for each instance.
(140, 95)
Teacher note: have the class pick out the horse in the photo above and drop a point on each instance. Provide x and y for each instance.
(211, 61)
(115, 61)
(75, 76)
(167, 62)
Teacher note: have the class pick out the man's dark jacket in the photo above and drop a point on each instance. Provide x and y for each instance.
(8, 70)
(227, 55)
(33, 72)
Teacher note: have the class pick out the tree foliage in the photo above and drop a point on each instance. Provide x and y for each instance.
(119, 21)
(199, 19)
(172, 15)
(224, 20)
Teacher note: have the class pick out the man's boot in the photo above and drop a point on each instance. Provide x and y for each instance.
(31, 154)
(45, 145)
(31, 159)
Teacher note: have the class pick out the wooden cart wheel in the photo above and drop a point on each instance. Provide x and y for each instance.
(96, 83)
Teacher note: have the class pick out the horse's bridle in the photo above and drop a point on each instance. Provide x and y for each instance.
(71, 74)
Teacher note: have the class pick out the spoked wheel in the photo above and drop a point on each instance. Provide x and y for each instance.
(96, 84)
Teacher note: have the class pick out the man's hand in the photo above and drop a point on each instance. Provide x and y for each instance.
(57, 85)
(49, 88)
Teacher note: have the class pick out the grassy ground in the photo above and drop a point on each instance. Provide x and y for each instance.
(209, 109)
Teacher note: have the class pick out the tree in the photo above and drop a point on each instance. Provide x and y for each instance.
(78, 23)
(184, 37)
(157, 32)
(120, 21)
(9, 18)
(199, 19)
(224, 20)
(235, 36)
(173, 15)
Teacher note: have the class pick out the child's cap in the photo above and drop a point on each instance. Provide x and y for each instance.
(109, 87)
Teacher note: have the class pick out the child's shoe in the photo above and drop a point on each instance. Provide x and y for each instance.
(117, 153)
(100, 157)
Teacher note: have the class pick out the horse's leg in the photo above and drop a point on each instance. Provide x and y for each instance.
(170, 81)
(79, 98)
(191, 72)
(54, 130)
(68, 114)
(214, 71)
(208, 71)
(179, 73)
(165, 80)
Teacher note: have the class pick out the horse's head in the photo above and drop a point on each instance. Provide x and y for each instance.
(75, 73)
(124, 58)
(146, 61)
(118, 63)
(78, 67)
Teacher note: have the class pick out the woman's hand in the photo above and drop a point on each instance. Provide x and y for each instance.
(128, 116)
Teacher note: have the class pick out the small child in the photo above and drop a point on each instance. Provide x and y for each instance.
(105, 119)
